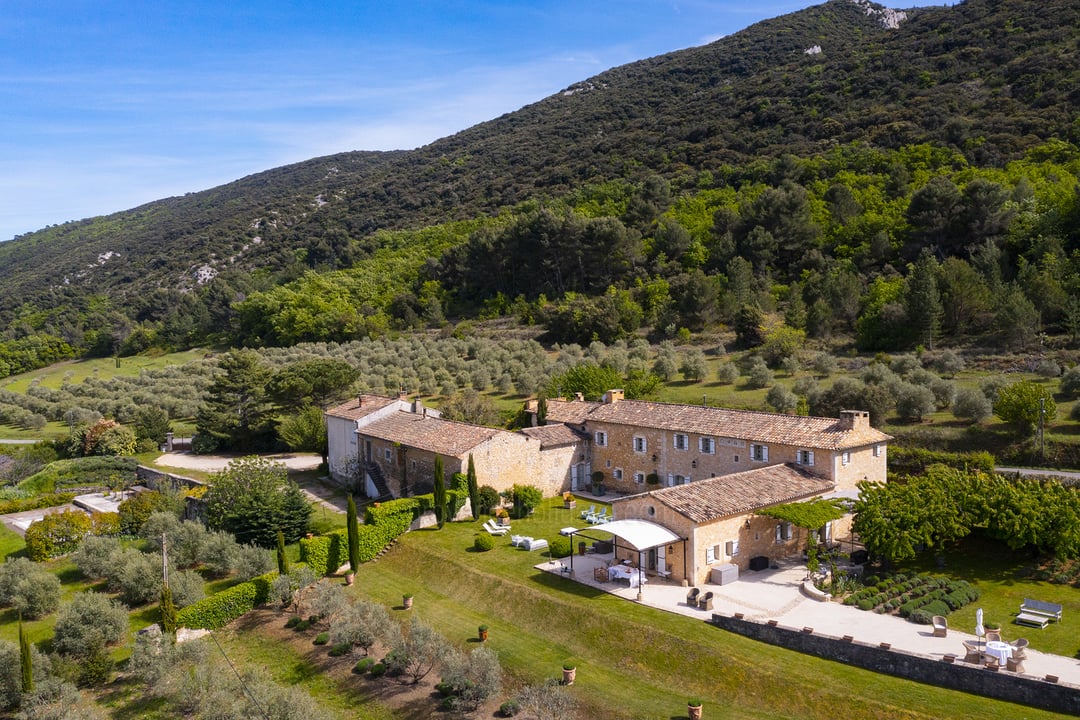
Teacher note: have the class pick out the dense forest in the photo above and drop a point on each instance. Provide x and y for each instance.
(831, 172)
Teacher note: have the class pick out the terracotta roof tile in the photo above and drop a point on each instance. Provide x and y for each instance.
(739, 493)
(356, 408)
(552, 435)
(436, 435)
(570, 412)
(795, 430)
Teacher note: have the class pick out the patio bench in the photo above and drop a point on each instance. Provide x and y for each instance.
(1038, 612)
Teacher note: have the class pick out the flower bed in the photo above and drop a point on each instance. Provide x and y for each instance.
(916, 597)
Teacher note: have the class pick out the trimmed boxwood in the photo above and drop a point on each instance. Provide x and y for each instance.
(321, 639)
(483, 542)
(866, 604)
(560, 547)
(222, 608)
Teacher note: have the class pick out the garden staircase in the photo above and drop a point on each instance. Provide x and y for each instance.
(375, 472)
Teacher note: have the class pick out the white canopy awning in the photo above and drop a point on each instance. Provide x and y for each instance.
(642, 534)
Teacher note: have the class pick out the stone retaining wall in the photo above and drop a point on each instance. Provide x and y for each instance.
(194, 508)
(1000, 685)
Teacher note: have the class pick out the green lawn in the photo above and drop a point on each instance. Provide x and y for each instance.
(1003, 576)
(633, 661)
(75, 371)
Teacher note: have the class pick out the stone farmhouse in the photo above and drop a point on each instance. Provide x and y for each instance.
(700, 472)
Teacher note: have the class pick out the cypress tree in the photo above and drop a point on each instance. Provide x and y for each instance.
(541, 410)
(282, 560)
(25, 660)
(474, 489)
(440, 493)
(354, 535)
(168, 612)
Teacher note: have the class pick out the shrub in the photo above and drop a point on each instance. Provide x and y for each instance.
(321, 639)
(378, 670)
(340, 649)
(759, 375)
(1074, 414)
(37, 502)
(525, 499)
(137, 509)
(293, 621)
(363, 666)
(56, 534)
(914, 401)
(866, 605)
(222, 608)
(1047, 368)
(489, 499)
(1070, 382)
(870, 580)
(510, 708)
(560, 547)
(483, 542)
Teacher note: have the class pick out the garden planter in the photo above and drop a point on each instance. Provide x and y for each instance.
(350, 578)
(694, 712)
(568, 675)
(406, 601)
(483, 631)
(570, 504)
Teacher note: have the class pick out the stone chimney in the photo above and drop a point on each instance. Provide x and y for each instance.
(579, 397)
(359, 401)
(613, 396)
(854, 420)
(418, 407)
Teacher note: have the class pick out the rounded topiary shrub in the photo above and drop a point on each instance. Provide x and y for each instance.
(322, 638)
(378, 670)
(866, 605)
(293, 621)
(483, 543)
(937, 607)
(302, 625)
(363, 666)
(871, 580)
(560, 547)
(340, 649)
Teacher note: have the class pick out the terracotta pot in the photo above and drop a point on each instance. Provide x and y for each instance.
(694, 711)
(568, 676)
(350, 578)
(407, 602)
(483, 635)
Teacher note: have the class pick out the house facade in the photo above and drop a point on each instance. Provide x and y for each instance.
(387, 447)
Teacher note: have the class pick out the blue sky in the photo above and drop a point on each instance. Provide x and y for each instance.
(105, 105)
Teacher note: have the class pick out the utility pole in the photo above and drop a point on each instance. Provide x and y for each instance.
(1042, 435)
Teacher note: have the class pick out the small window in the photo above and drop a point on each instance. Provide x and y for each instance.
(877, 451)
(706, 445)
(386, 454)
(681, 441)
(759, 453)
(601, 438)
(805, 457)
(640, 444)
(617, 473)
(413, 464)
(783, 531)
(639, 478)
(710, 554)
(845, 458)
(734, 548)
(736, 459)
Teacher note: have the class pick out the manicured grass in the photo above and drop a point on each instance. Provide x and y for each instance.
(1003, 577)
(633, 661)
(11, 543)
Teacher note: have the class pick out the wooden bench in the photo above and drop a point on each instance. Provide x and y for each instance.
(1038, 613)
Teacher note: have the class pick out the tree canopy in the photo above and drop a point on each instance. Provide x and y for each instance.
(253, 499)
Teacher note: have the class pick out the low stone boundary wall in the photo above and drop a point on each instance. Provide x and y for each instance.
(194, 508)
(1000, 685)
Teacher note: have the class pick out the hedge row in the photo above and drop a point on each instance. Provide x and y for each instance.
(914, 461)
(35, 503)
(222, 608)
(384, 522)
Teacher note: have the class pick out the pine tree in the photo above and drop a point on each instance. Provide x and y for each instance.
(237, 413)
(26, 661)
(168, 612)
(282, 559)
(922, 300)
(474, 489)
(354, 535)
(440, 492)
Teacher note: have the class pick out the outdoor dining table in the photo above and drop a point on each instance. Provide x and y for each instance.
(999, 649)
(621, 572)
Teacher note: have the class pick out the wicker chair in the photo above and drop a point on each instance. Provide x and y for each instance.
(941, 626)
(692, 596)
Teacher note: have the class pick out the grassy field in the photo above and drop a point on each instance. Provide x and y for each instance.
(75, 371)
(633, 661)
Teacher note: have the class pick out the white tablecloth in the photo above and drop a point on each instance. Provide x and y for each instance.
(999, 649)
(620, 572)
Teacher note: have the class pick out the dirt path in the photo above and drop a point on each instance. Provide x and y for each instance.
(216, 463)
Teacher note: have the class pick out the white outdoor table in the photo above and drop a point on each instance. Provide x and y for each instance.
(999, 649)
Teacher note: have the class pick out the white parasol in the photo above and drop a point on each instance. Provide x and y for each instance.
(979, 631)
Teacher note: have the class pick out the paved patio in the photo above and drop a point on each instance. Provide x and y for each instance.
(775, 595)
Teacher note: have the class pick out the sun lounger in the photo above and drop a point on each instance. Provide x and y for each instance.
(597, 518)
(941, 626)
(518, 540)
(587, 513)
(535, 544)
(494, 529)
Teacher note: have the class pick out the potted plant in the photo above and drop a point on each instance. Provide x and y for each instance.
(693, 708)
(483, 630)
(569, 673)
(598, 482)
(502, 516)
(406, 600)
(568, 501)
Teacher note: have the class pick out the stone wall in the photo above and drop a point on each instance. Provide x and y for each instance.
(1000, 685)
